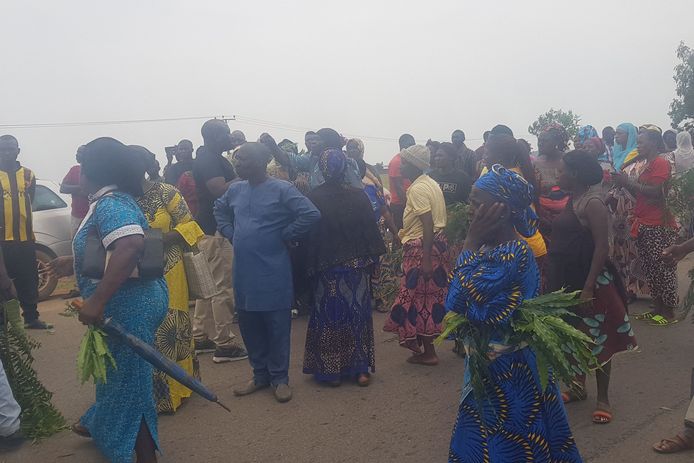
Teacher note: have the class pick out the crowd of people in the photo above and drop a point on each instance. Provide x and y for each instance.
(286, 233)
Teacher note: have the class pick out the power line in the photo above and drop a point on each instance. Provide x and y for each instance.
(242, 119)
(93, 123)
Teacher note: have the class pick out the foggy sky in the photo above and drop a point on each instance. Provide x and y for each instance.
(374, 69)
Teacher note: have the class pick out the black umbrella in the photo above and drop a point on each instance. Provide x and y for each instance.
(159, 362)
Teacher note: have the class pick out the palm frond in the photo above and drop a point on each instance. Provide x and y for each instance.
(39, 418)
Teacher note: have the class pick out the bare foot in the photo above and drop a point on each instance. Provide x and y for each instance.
(424, 359)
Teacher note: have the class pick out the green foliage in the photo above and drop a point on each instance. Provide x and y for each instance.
(567, 351)
(568, 119)
(539, 323)
(39, 418)
(457, 223)
(682, 107)
(93, 357)
(680, 196)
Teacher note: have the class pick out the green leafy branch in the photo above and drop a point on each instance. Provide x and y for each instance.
(39, 418)
(541, 324)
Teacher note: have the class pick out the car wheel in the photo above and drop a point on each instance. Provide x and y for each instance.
(47, 282)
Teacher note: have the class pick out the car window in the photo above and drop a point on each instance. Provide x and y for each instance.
(45, 200)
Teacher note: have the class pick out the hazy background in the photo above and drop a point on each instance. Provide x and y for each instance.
(374, 69)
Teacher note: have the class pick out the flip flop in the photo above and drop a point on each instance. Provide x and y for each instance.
(601, 416)
(417, 360)
(659, 320)
(673, 445)
(645, 315)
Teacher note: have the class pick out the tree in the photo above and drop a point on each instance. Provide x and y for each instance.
(566, 118)
(682, 107)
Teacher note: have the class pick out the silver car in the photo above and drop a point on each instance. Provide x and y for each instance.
(52, 229)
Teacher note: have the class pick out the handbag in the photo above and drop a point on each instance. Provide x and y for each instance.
(150, 266)
(201, 283)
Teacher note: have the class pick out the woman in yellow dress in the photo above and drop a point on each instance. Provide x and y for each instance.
(166, 210)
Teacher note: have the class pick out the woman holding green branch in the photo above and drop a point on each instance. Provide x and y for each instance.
(124, 417)
(505, 413)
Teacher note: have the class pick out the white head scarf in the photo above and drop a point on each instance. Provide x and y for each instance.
(684, 154)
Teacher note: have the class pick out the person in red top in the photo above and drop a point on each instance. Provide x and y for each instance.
(654, 227)
(71, 186)
(398, 185)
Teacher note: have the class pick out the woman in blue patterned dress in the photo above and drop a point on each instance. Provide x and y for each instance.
(124, 417)
(342, 251)
(514, 420)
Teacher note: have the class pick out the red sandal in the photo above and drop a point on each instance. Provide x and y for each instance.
(602, 416)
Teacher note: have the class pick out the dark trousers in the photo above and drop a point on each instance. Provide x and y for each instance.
(267, 339)
(20, 260)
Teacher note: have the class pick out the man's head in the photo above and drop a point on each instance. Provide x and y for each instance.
(238, 138)
(608, 134)
(251, 160)
(311, 139)
(217, 136)
(406, 140)
(9, 148)
(458, 138)
(184, 151)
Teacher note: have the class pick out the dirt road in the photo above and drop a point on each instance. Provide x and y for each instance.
(405, 416)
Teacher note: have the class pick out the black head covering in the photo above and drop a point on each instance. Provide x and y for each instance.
(106, 161)
(501, 130)
(331, 138)
(585, 166)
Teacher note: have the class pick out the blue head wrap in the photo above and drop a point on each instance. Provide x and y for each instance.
(619, 154)
(512, 189)
(586, 132)
(332, 164)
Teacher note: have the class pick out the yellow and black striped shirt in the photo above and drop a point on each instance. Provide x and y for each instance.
(17, 189)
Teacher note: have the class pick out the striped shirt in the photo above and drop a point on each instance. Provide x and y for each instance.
(17, 188)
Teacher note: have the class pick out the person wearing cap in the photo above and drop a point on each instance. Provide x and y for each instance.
(418, 309)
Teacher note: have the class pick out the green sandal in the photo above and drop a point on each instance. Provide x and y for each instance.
(659, 320)
(645, 316)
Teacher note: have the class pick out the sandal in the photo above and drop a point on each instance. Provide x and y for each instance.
(645, 315)
(418, 360)
(602, 415)
(659, 320)
(673, 445)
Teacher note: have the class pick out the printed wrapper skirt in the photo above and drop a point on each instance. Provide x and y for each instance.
(419, 306)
